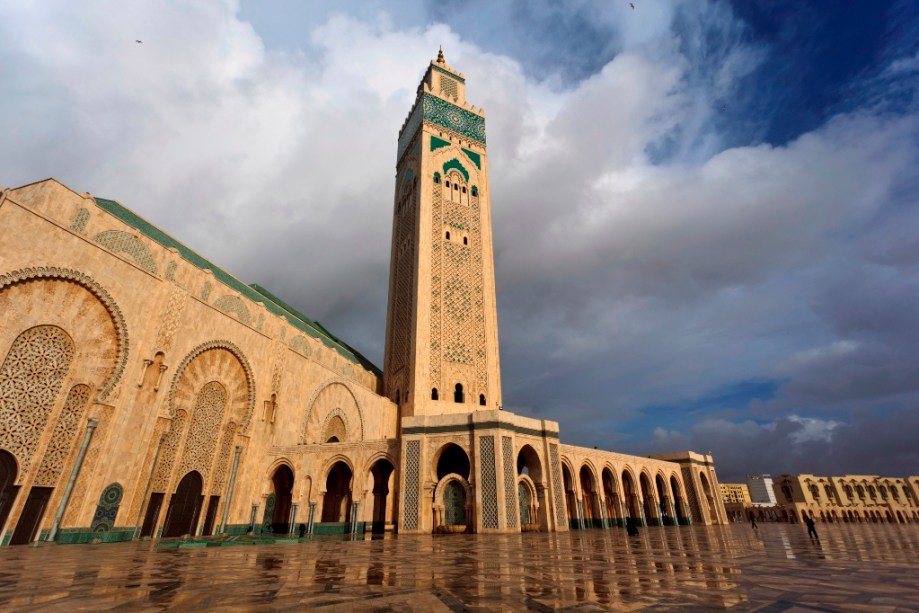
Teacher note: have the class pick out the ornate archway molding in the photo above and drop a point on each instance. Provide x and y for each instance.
(52, 272)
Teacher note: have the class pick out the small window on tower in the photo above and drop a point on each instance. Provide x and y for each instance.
(448, 236)
(434, 394)
(465, 241)
(436, 178)
(455, 186)
(464, 190)
(482, 399)
(447, 183)
(458, 393)
(475, 191)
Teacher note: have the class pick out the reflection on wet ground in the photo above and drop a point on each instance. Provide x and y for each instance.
(777, 568)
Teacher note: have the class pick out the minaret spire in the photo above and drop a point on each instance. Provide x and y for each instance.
(440, 56)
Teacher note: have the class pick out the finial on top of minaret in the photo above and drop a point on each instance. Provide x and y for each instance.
(440, 56)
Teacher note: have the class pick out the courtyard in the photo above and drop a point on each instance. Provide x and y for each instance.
(872, 567)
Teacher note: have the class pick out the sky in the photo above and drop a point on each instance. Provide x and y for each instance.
(705, 212)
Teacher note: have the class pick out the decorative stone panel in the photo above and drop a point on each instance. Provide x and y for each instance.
(62, 438)
(510, 482)
(557, 484)
(489, 482)
(412, 474)
(206, 419)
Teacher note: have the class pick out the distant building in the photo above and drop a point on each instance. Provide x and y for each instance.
(850, 498)
(735, 493)
(761, 491)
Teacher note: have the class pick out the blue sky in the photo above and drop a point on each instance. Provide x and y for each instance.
(705, 212)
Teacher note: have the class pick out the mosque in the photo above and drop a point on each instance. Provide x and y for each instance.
(146, 392)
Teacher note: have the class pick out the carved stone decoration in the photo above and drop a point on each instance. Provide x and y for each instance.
(169, 320)
(107, 509)
(216, 360)
(169, 452)
(63, 437)
(111, 375)
(30, 380)
(335, 393)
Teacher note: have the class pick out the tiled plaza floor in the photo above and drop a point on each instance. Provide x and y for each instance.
(777, 568)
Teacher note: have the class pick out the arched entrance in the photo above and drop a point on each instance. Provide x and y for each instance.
(632, 509)
(381, 471)
(679, 503)
(570, 500)
(530, 479)
(8, 487)
(611, 498)
(283, 481)
(451, 495)
(648, 498)
(184, 507)
(707, 492)
(589, 498)
(663, 501)
(336, 504)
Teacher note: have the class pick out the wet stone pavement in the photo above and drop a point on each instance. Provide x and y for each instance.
(777, 568)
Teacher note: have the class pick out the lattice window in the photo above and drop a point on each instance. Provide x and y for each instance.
(510, 479)
(171, 268)
(30, 380)
(301, 345)
(448, 87)
(169, 452)
(79, 221)
(436, 275)
(489, 482)
(62, 438)
(117, 241)
(557, 484)
(204, 429)
(412, 473)
(107, 509)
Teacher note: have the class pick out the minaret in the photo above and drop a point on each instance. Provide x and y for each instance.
(441, 326)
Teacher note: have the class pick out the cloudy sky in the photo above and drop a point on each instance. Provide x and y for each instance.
(705, 212)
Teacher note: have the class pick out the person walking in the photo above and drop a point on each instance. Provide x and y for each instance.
(811, 527)
(753, 520)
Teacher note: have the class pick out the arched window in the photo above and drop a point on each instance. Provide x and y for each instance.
(447, 183)
(434, 394)
(465, 240)
(482, 399)
(475, 191)
(448, 236)
(464, 190)
(458, 393)
(436, 178)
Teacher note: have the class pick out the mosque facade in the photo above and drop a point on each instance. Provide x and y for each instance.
(146, 392)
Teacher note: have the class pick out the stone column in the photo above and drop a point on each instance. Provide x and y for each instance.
(293, 519)
(312, 518)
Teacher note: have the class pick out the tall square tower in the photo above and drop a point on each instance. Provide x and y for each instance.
(441, 328)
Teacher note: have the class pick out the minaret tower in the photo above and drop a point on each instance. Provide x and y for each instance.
(441, 326)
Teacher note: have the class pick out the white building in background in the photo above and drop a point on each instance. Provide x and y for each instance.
(761, 492)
